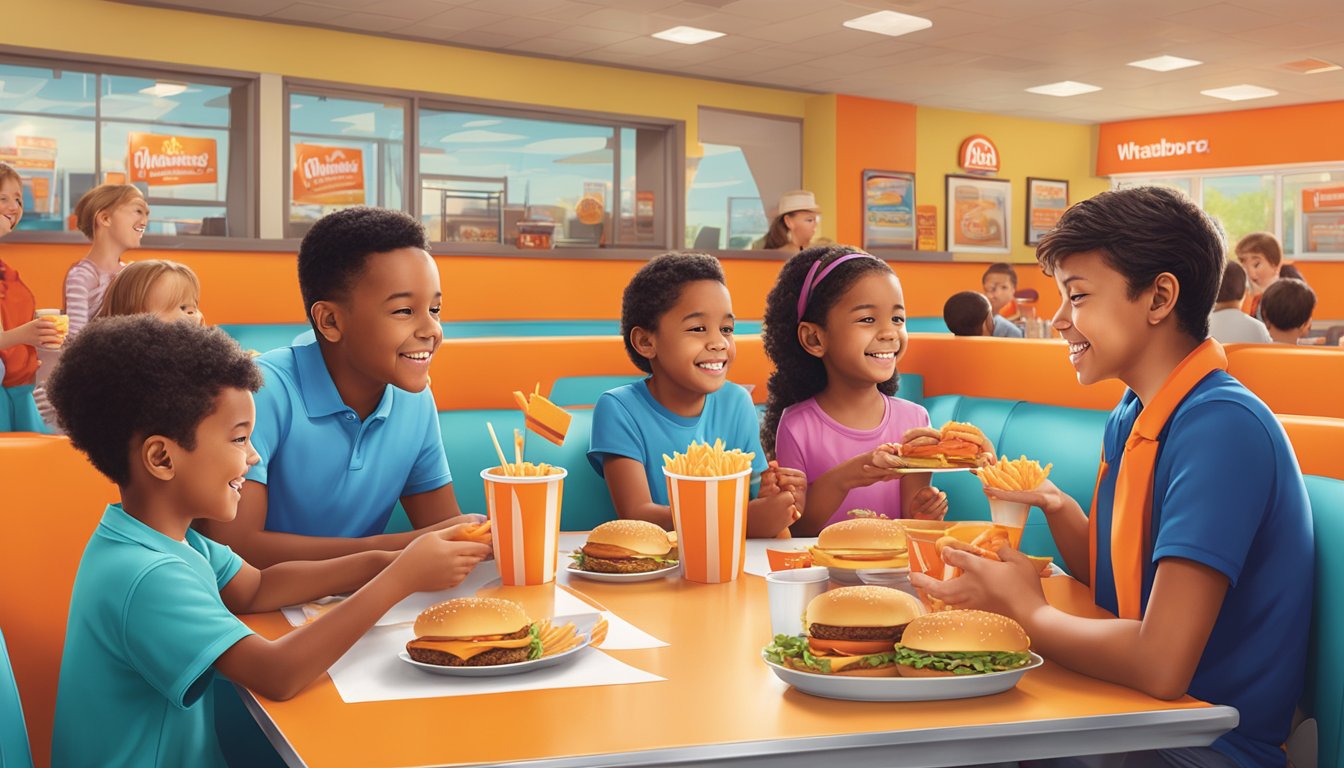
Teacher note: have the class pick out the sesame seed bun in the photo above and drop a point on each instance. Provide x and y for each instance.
(866, 606)
(471, 617)
(874, 533)
(637, 536)
(965, 631)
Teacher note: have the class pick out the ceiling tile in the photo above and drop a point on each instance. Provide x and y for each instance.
(307, 14)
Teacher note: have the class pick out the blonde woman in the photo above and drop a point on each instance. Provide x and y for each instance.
(113, 217)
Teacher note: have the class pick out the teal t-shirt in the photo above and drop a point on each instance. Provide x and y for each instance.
(146, 626)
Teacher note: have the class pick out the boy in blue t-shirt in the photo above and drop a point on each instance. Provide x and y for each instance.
(677, 322)
(165, 411)
(1201, 524)
(346, 424)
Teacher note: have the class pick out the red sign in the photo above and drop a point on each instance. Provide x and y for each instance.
(978, 154)
(328, 175)
(1328, 199)
(171, 160)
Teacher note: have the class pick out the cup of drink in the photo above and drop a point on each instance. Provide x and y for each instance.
(525, 524)
(62, 324)
(1011, 516)
(789, 593)
(710, 516)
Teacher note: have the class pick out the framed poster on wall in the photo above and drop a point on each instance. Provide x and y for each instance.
(1046, 201)
(888, 209)
(978, 214)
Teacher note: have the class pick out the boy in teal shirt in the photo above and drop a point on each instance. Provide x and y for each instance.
(165, 411)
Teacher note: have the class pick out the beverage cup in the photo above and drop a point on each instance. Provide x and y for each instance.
(525, 524)
(789, 593)
(1011, 516)
(62, 324)
(710, 516)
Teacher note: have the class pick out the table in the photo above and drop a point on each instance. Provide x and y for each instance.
(721, 705)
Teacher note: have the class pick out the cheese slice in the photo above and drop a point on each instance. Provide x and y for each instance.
(465, 649)
(840, 662)
(543, 417)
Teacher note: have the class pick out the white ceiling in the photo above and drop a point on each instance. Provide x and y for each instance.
(979, 55)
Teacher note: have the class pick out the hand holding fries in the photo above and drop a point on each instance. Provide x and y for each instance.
(1020, 474)
(704, 460)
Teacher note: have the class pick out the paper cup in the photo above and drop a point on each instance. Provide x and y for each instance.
(1010, 515)
(525, 525)
(789, 593)
(62, 323)
(710, 515)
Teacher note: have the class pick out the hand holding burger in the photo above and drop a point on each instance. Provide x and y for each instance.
(955, 444)
(1011, 587)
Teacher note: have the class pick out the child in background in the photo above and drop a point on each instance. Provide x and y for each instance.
(1262, 257)
(970, 314)
(1287, 306)
(1228, 324)
(113, 217)
(835, 329)
(1208, 571)
(1000, 285)
(20, 334)
(152, 611)
(677, 322)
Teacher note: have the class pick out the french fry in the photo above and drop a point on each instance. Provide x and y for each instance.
(599, 632)
(704, 460)
(1020, 474)
(479, 533)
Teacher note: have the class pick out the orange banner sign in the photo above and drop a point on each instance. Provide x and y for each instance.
(30, 153)
(328, 175)
(165, 161)
(1328, 199)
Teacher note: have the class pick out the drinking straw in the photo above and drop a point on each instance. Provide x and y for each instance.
(503, 462)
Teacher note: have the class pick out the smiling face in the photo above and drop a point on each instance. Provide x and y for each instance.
(1259, 271)
(124, 223)
(389, 321)
(693, 347)
(1106, 330)
(998, 289)
(11, 206)
(209, 478)
(802, 226)
(865, 330)
(172, 297)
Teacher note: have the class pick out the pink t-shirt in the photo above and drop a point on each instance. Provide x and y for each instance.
(810, 440)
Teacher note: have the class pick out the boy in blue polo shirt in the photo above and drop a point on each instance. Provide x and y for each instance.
(346, 424)
(151, 615)
(1201, 527)
(677, 320)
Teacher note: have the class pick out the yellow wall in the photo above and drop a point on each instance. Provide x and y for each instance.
(819, 160)
(1026, 148)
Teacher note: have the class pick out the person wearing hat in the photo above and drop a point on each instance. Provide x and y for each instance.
(795, 222)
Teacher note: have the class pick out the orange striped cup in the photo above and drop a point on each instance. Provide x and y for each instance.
(710, 515)
(525, 524)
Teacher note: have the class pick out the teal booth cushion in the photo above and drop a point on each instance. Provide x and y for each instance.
(1324, 696)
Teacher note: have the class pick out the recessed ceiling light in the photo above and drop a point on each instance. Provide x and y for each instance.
(1312, 66)
(164, 89)
(1240, 92)
(687, 35)
(1064, 88)
(889, 23)
(1165, 63)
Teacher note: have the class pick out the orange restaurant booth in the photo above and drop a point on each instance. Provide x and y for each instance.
(679, 677)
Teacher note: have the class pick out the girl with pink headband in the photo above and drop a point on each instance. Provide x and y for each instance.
(835, 329)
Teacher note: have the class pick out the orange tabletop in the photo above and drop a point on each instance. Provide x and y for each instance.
(721, 704)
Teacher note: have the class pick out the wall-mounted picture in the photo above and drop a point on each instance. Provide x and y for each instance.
(978, 214)
(1046, 201)
(888, 209)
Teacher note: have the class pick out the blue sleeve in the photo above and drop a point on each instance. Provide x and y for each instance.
(274, 410)
(1211, 511)
(747, 428)
(431, 464)
(1005, 328)
(224, 562)
(615, 433)
(175, 627)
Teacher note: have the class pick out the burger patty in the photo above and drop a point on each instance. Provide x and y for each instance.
(622, 565)
(830, 632)
(490, 658)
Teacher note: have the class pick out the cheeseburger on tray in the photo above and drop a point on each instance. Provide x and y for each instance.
(626, 546)
(863, 542)
(956, 444)
(474, 632)
(850, 631)
(961, 643)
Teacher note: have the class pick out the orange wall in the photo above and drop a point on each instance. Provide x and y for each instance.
(869, 134)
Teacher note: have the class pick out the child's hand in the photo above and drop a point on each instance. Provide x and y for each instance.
(451, 522)
(876, 466)
(929, 503)
(41, 332)
(1011, 587)
(776, 478)
(433, 562)
(1047, 497)
(768, 515)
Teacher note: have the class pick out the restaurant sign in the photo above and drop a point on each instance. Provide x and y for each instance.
(328, 175)
(978, 155)
(160, 160)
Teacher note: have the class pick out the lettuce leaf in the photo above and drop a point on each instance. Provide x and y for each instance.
(534, 650)
(962, 662)
(799, 651)
(580, 559)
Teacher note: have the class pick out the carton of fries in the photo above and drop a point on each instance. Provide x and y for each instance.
(524, 510)
(1020, 474)
(709, 487)
(927, 537)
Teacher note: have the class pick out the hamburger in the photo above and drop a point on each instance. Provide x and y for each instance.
(626, 546)
(950, 643)
(863, 542)
(850, 631)
(955, 444)
(474, 632)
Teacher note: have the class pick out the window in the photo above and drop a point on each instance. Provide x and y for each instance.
(1242, 204)
(1313, 213)
(746, 163)
(68, 129)
(343, 150)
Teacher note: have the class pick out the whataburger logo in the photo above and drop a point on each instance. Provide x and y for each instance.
(168, 160)
(1132, 150)
(334, 167)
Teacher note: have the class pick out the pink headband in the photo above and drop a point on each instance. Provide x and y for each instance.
(810, 285)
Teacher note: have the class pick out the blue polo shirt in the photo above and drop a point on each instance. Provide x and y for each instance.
(146, 626)
(1228, 493)
(628, 422)
(326, 472)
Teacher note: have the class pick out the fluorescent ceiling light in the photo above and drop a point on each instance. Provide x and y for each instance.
(1240, 92)
(687, 35)
(164, 89)
(1312, 66)
(889, 23)
(1165, 63)
(1064, 88)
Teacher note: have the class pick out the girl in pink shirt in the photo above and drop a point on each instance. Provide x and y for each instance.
(113, 217)
(835, 329)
